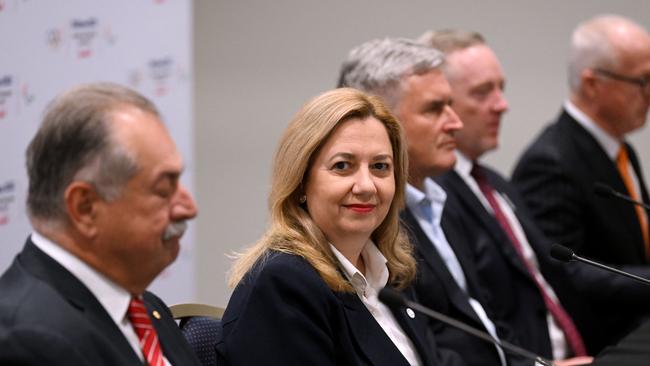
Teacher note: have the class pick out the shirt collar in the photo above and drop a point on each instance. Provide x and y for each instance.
(610, 144)
(113, 298)
(376, 275)
(463, 165)
(435, 194)
(432, 191)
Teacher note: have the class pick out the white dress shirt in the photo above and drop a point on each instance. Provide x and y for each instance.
(111, 296)
(463, 167)
(436, 197)
(367, 288)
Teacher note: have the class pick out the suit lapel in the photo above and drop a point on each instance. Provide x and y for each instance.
(415, 329)
(170, 337)
(639, 174)
(434, 262)
(371, 339)
(49, 271)
(604, 170)
(475, 209)
(638, 171)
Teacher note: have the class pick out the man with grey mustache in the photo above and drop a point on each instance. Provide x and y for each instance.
(108, 212)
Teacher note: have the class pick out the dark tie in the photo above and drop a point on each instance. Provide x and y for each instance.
(555, 308)
(141, 322)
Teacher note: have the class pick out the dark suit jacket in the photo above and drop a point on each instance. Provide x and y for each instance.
(515, 297)
(48, 317)
(437, 289)
(556, 176)
(283, 313)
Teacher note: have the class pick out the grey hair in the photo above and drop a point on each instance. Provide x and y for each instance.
(75, 142)
(591, 47)
(378, 66)
(450, 40)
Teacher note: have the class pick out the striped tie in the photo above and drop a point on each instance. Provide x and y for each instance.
(141, 322)
(562, 318)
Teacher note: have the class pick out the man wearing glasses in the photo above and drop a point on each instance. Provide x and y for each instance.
(609, 78)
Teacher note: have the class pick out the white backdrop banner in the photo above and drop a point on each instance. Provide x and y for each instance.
(49, 46)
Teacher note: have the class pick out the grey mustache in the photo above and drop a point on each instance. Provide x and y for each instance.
(174, 229)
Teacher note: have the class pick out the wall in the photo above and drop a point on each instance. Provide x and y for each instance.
(257, 62)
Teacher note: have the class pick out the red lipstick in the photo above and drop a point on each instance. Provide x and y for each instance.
(361, 208)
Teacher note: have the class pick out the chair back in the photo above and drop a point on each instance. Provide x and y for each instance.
(201, 327)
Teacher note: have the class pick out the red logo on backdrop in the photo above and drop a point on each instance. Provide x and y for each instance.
(6, 92)
(53, 38)
(28, 96)
(84, 33)
(6, 199)
(160, 70)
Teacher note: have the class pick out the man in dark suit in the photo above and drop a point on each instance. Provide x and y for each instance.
(408, 76)
(108, 212)
(511, 255)
(609, 70)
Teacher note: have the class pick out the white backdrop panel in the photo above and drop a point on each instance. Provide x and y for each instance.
(49, 46)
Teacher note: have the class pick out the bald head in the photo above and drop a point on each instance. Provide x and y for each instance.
(604, 42)
(609, 69)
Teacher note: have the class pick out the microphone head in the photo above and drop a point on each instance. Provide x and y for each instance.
(602, 189)
(391, 297)
(561, 253)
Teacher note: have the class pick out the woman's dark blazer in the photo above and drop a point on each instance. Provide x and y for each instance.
(283, 313)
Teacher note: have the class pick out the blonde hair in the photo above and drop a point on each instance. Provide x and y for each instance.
(292, 230)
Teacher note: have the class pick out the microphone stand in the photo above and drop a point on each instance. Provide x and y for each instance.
(393, 299)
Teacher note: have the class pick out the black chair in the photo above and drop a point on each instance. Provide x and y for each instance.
(201, 326)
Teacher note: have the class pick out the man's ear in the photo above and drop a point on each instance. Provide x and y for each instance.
(589, 83)
(81, 201)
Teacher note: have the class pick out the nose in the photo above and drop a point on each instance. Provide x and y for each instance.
(452, 122)
(364, 183)
(183, 207)
(500, 104)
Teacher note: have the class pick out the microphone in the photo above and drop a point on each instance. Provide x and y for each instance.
(604, 190)
(565, 254)
(394, 300)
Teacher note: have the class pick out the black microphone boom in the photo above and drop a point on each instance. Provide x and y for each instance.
(565, 254)
(603, 189)
(395, 300)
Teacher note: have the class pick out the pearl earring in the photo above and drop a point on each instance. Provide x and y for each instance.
(303, 199)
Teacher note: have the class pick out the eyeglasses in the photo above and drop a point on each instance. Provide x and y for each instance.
(642, 82)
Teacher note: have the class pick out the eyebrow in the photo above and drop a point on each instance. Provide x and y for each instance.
(438, 103)
(383, 156)
(352, 156)
(172, 175)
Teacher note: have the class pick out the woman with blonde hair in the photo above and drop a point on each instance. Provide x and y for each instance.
(306, 292)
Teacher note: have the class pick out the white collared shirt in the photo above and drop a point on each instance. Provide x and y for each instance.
(434, 194)
(464, 167)
(610, 144)
(368, 287)
(111, 296)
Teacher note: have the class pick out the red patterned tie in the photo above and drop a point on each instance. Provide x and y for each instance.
(141, 322)
(573, 337)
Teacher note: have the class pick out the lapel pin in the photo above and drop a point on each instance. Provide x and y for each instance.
(156, 314)
(410, 313)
